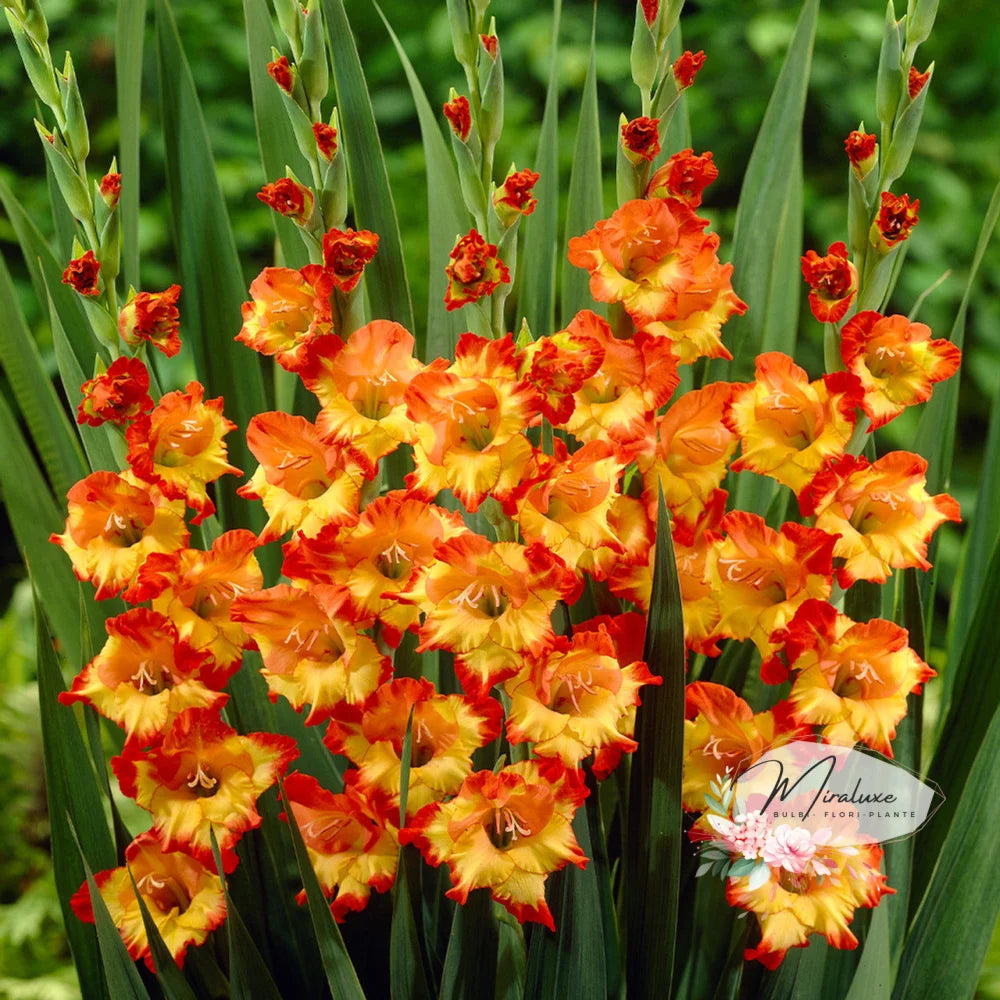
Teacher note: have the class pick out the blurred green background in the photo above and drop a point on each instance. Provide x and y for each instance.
(954, 167)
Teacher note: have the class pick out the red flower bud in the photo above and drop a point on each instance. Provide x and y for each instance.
(641, 139)
(288, 198)
(475, 271)
(686, 68)
(915, 82)
(326, 139)
(833, 282)
(119, 395)
(650, 10)
(281, 73)
(895, 220)
(490, 45)
(862, 148)
(514, 198)
(82, 274)
(459, 117)
(684, 177)
(346, 253)
(111, 189)
(152, 316)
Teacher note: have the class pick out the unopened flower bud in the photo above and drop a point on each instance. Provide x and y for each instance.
(490, 43)
(916, 81)
(289, 198)
(281, 72)
(686, 68)
(111, 189)
(514, 197)
(81, 274)
(641, 139)
(459, 116)
(862, 151)
(326, 140)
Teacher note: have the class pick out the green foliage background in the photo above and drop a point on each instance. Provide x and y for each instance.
(954, 167)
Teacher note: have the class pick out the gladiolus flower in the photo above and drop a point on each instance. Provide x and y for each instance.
(204, 777)
(571, 699)
(326, 140)
(833, 283)
(641, 139)
(303, 481)
(459, 116)
(446, 729)
(896, 361)
(851, 678)
(281, 73)
(111, 189)
(195, 590)
(654, 257)
(470, 424)
(895, 221)
(916, 81)
(862, 151)
(789, 426)
(790, 906)
(686, 68)
(290, 309)
(115, 523)
(152, 317)
(557, 367)
(514, 198)
(145, 676)
(120, 395)
(761, 576)
(389, 549)
(184, 897)
(488, 603)
(505, 832)
(81, 274)
(881, 512)
(313, 653)
(723, 735)
(362, 386)
(179, 447)
(684, 177)
(474, 272)
(349, 837)
(346, 254)
(289, 198)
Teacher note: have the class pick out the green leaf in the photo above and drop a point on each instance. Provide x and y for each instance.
(652, 855)
(446, 215)
(541, 230)
(275, 137)
(340, 974)
(586, 201)
(799, 976)
(873, 978)
(572, 961)
(210, 273)
(170, 978)
(471, 962)
(71, 791)
(46, 273)
(972, 712)
(129, 37)
(767, 238)
(122, 976)
(678, 133)
(51, 432)
(249, 976)
(385, 276)
(951, 931)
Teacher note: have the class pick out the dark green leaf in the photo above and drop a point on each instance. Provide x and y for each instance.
(275, 138)
(445, 214)
(768, 233)
(54, 439)
(541, 230)
(71, 791)
(951, 931)
(129, 38)
(653, 848)
(210, 274)
(586, 202)
(340, 974)
(249, 976)
(471, 963)
(374, 209)
(873, 978)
